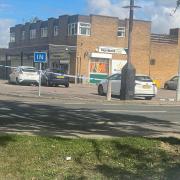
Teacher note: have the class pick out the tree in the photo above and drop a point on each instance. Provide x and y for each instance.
(177, 5)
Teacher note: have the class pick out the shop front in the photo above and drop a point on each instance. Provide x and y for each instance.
(99, 66)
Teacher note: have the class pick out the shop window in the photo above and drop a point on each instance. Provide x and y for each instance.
(121, 32)
(56, 30)
(72, 29)
(99, 66)
(12, 37)
(44, 32)
(84, 29)
(32, 33)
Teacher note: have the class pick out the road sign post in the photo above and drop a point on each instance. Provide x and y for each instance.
(40, 57)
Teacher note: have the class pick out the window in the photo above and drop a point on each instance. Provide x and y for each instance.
(175, 78)
(72, 29)
(143, 78)
(115, 77)
(84, 28)
(12, 37)
(152, 61)
(32, 33)
(121, 32)
(56, 30)
(23, 35)
(44, 32)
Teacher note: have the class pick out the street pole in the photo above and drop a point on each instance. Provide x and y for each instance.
(40, 79)
(128, 71)
(178, 83)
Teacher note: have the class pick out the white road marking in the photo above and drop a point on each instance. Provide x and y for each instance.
(133, 111)
(118, 110)
(74, 103)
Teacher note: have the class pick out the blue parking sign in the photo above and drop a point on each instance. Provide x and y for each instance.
(40, 57)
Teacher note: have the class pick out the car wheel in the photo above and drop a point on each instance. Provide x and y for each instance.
(100, 90)
(9, 81)
(67, 85)
(17, 81)
(48, 84)
(148, 98)
(166, 86)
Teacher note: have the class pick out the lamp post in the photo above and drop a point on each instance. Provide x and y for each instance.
(128, 71)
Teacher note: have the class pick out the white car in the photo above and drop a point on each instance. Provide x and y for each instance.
(24, 75)
(144, 86)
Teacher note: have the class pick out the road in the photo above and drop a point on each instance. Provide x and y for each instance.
(69, 118)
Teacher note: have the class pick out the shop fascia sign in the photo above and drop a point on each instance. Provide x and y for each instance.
(111, 50)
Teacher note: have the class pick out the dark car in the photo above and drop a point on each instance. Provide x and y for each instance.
(171, 84)
(54, 77)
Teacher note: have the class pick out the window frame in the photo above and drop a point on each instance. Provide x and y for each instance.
(44, 32)
(122, 31)
(88, 29)
(12, 37)
(32, 33)
(23, 35)
(72, 29)
(56, 30)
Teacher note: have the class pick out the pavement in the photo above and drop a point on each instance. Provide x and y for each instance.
(79, 92)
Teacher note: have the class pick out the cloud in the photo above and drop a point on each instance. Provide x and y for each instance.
(4, 7)
(5, 24)
(157, 11)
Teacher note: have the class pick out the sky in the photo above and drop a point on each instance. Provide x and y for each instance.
(20, 11)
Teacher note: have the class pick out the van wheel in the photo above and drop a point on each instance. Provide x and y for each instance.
(100, 90)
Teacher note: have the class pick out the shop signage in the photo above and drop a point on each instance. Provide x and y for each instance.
(117, 65)
(111, 50)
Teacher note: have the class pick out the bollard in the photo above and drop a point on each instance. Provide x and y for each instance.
(108, 96)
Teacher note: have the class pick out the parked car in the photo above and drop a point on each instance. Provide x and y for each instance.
(144, 86)
(24, 75)
(54, 77)
(172, 83)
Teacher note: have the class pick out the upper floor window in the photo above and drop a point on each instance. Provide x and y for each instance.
(121, 32)
(12, 37)
(84, 28)
(44, 32)
(56, 30)
(23, 35)
(72, 29)
(32, 33)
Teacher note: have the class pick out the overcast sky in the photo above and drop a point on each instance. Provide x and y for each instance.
(18, 11)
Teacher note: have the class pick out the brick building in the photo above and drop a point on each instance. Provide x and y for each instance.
(95, 46)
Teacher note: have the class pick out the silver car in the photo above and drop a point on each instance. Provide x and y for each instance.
(172, 83)
(24, 75)
(144, 86)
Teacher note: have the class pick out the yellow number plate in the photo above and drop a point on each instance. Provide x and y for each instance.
(60, 77)
(146, 86)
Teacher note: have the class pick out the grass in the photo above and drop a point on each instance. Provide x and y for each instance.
(35, 157)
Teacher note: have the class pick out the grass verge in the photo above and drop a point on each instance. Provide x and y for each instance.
(24, 157)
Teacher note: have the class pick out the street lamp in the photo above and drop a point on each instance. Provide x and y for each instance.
(128, 71)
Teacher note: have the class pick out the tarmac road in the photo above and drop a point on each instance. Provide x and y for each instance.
(70, 118)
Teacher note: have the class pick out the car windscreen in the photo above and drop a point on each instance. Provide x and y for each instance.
(29, 70)
(143, 78)
(57, 71)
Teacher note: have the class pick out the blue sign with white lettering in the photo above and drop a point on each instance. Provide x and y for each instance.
(40, 57)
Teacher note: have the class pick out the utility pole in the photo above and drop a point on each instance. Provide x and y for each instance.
(178, 83)
(128, 71)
